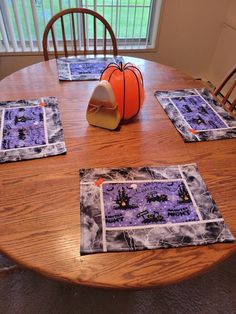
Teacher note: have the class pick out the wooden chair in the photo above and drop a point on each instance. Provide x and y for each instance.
(78, 32)
(230, 82)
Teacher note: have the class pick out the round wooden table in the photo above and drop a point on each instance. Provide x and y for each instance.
(40, 214)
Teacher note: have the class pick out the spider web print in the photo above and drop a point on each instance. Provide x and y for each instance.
(30, 129)
(196, 115)
(130, 209)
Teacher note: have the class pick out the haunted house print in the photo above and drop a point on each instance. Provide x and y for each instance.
(147, 208)
(147, 203)
(30, 129)
(197, 115)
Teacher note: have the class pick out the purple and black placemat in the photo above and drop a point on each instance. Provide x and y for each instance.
(83, 68)
(197, 115)
(132, 209)
(30, 129)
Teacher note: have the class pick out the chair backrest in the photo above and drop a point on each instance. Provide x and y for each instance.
(81, 18)
(230, 82)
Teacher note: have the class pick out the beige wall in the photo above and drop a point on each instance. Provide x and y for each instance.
(224, 56)
(188, 37)
(189, 33)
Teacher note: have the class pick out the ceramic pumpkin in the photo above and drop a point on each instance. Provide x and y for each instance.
(127, 84)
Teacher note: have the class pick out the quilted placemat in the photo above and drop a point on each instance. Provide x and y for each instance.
(82, 69)
(30, 129)
(197, 115)
(131, 209)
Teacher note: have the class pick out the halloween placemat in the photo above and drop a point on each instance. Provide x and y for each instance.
(83, 68)
(132, 209)
(30, 129)
(197, 115)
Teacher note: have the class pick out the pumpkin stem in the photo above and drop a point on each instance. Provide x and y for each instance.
(121, 66)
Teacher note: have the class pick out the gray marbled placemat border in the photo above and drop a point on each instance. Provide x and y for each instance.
(181, 125)
(55, 135)
(64, 73)
(96, 239)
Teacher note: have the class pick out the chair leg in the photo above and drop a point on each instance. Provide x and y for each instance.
(233, 105)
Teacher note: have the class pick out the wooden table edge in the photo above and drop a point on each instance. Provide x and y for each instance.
(80, 283)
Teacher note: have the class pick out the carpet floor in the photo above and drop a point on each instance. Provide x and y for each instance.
(26, 292)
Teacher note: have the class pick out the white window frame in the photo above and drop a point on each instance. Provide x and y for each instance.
(10, 42)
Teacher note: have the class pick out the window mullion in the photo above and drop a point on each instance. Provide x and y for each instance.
(116, 26)
(27, 25)
(44, 19)
(111, 17)
(19, 25)
(148, 26)
(141, 25)
(36, 24)
(79, 5)
(119, 31)
(10, 25)
(134, 22)
(44, 13)
(127, 22)
(95, 9)
(154, 19)
(4, 34)
(103, 4)
(52, 13)
(60, 5)
(86, 25)
(70, 23)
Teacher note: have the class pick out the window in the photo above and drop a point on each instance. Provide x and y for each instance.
(22, 22)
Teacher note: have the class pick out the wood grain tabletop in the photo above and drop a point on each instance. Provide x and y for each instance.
(39, 200)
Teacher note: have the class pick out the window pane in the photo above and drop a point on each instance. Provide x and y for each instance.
(129, 20)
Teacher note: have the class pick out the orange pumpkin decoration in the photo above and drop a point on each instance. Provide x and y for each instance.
(127, 84)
